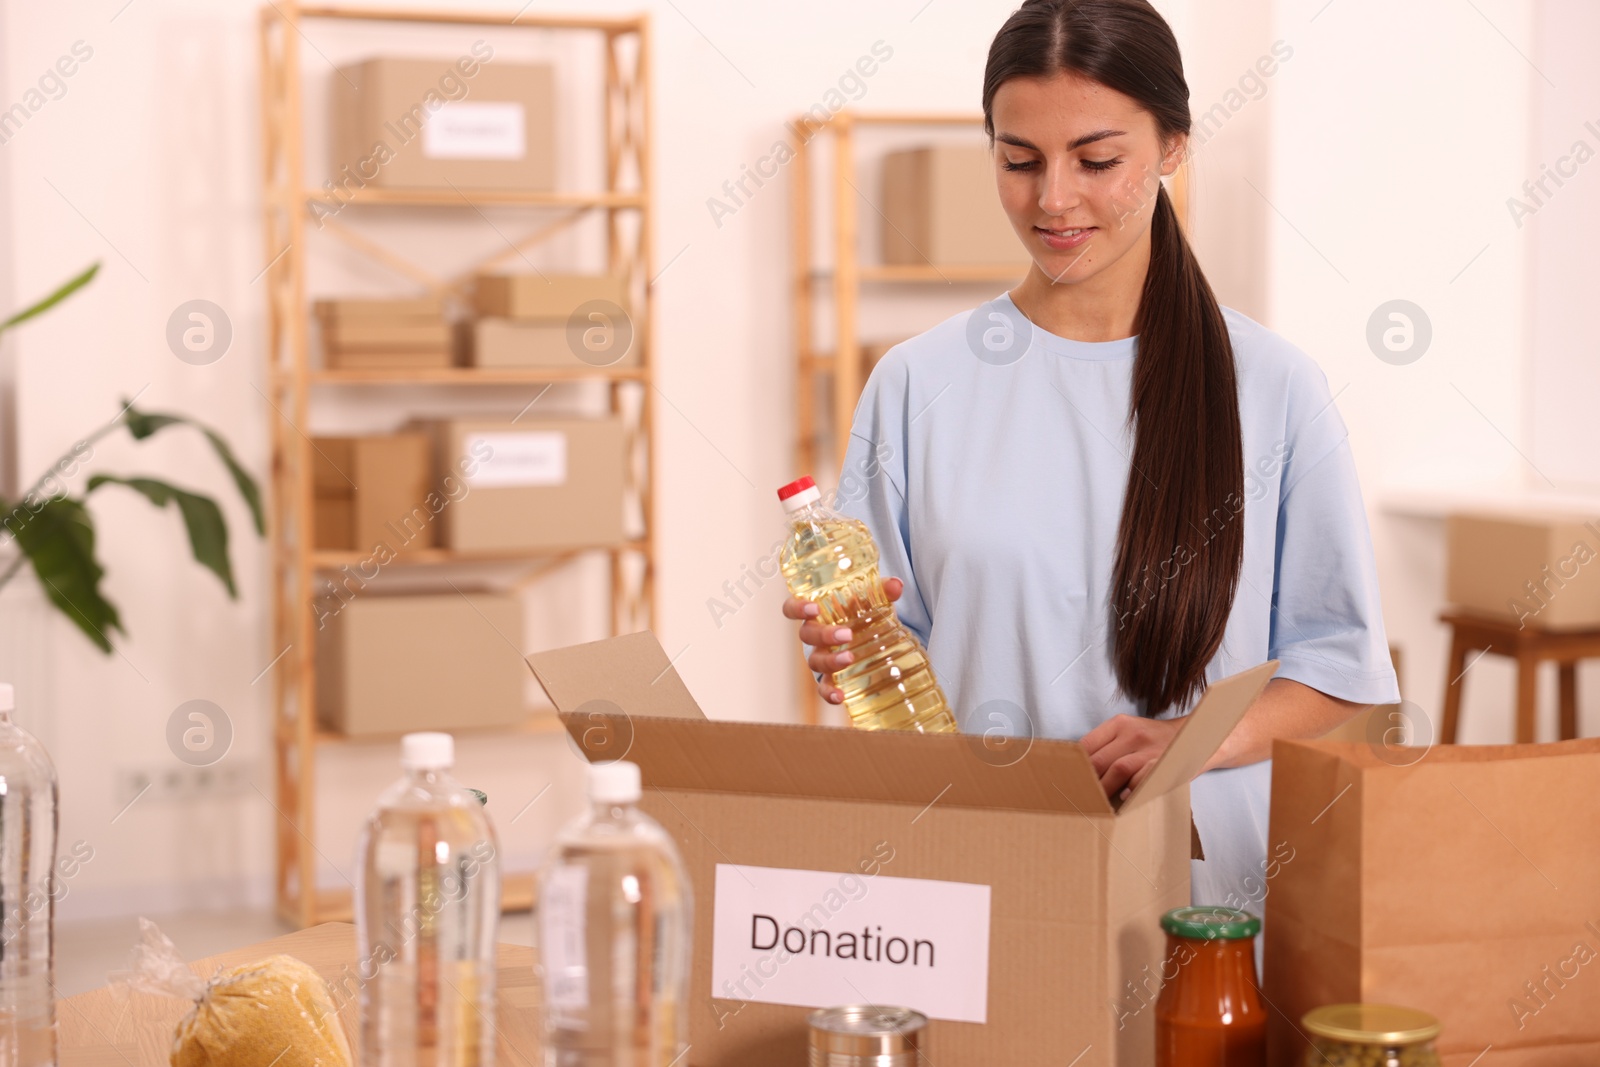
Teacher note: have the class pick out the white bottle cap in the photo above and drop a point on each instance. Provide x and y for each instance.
(427, 752)
(616, 782)
(8, 697)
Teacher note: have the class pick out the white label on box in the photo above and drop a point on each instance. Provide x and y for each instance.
(816, 939)
(517, 459)
(474, 129)
(562, 929)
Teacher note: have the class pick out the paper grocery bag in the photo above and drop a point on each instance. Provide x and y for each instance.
(1464, 881)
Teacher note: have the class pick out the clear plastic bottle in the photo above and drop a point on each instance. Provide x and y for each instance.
(27, 894)
(831, 559)
(612, 922)
(427, 912)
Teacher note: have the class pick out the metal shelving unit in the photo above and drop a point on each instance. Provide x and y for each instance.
(626, 204)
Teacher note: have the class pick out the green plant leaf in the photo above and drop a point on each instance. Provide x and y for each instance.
(66, 290)
(142, 424)
(58, 539)
(208, 530)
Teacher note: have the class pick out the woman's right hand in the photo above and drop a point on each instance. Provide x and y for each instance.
(827, 642)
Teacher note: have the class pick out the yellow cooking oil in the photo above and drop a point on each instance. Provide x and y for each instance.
(831, 559)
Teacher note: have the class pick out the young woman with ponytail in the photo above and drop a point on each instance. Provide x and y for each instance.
(1101, 491)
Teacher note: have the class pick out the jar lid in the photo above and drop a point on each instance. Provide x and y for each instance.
(1372, 1024)
(866, 1030)
(1211, 924)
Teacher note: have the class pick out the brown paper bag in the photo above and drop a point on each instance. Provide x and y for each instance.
(1464, 881)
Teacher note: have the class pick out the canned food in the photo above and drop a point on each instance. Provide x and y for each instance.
(866, 1035)
(1370, 1035)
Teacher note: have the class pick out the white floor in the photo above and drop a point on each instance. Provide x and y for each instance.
(86, 952)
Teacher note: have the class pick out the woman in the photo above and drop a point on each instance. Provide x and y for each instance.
(1101, 491)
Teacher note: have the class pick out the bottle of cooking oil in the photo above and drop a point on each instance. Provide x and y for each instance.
(832, 560)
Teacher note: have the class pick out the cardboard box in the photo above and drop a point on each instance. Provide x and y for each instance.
(546, 343)
(534, 484)
(1460, 880)
(1541, 569)
(546, 295)
(1043, 899)
(357, 309)
(940, 207)
(437, 123)
(389, 665)
(384, 334)
(373, 490)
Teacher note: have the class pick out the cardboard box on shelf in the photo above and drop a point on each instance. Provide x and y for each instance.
(533, 484)
(400, 123)
(384, 334)
(940, 207)
(545, 295)
(389, 664)
(1025, 907)
(1459, 880)
(373, 490)
(545, 343)
(1541, 569)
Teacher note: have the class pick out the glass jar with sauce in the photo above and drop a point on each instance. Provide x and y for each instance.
(1370, 1035)
(1209, 1013)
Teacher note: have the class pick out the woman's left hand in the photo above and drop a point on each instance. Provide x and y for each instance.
(1125, 747)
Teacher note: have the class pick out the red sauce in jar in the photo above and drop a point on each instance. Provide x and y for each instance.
(1209, 1014)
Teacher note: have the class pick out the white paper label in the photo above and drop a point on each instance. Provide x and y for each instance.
(474, 129)
(817, 939)
(562, 929)
(524, 458)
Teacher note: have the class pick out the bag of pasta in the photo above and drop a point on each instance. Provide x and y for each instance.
(276, 1011)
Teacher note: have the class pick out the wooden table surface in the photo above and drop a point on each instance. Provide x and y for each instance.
(104, 1028)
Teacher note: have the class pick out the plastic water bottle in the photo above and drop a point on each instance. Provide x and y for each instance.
(831, 559)
(427, 912)
(612, 922)
(27, 894)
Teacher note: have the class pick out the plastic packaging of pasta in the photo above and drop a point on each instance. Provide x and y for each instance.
(276, 1012)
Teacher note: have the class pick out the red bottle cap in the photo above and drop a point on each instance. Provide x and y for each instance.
(796, 486)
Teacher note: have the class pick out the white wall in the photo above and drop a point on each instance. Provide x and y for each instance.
(1370, 141)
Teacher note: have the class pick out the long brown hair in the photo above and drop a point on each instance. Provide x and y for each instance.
(1180, 543)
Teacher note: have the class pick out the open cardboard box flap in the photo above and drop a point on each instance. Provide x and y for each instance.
(620, 698)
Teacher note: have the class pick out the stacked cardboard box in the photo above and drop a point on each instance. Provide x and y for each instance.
(533, 484)
(388, 665)
(550, 320)
(384, 334)
(372, 491)
(940, 208)
(443, 124)
(1539, 569)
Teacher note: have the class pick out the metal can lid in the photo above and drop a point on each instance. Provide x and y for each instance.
(1371, 1024)
(1210, 924)
(866, 1030)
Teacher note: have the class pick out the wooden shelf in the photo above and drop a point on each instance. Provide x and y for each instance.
(621, 88)
(927, 273)
(332, 559)
(476, 375)
(829, 370)
(373, 196)
(338, 905)
(538, 724)
(535, 21)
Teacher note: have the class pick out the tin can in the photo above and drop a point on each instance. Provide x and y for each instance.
(867, 1035)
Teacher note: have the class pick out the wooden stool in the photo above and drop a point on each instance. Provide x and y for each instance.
(1529, 646)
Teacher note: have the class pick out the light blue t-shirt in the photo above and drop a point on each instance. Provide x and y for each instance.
(992, 479)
